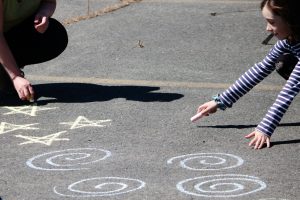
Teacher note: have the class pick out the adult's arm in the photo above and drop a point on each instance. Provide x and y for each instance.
(44, 12)
(9, 63)
(47, 8)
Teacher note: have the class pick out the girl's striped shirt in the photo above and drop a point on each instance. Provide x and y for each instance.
(256, 74)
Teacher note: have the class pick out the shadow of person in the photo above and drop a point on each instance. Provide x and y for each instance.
(285, 142)
(248, 126)
(85, 92)
(253, 126)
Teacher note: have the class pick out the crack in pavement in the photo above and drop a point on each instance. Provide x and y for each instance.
(108, 9)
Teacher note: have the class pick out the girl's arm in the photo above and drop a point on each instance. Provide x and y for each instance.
(7, 61)
(253, 76)
(282, 103)
(271, 120)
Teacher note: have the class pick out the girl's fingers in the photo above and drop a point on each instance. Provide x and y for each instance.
(205, 111)
(252, 142)
(202, 107)
(257, 143)
(262, 142)
(250, 135)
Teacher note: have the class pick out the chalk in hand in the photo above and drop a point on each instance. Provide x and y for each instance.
(196, 117)
(30, 99)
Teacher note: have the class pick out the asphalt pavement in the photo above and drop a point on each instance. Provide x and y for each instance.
(112, 116)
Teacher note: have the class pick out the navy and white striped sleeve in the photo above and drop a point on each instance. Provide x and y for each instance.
(282, 103)
(252, 77)
(255, 75)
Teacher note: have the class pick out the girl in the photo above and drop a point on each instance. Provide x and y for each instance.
(27, 36)
(283, 20)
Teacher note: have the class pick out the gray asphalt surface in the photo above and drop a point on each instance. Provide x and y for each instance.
(112, 119)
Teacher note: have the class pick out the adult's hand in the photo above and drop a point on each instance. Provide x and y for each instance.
(23, 88)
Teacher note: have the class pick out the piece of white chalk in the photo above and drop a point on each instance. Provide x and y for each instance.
(196, 117)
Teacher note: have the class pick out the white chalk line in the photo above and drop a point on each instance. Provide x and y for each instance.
(8, 127)
(30, 110)
(70, 155)
(82, 121)
(46, 140)
(122, 187)
(218, 161)
(228, 181)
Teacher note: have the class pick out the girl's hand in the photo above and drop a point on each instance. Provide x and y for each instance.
(23, 88)
(208, 108)
(41, 23)
(259, 140)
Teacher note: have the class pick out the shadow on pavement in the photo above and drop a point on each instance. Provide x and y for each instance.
(82, 92)
(253, 126)
(248, 126)
(285, 142)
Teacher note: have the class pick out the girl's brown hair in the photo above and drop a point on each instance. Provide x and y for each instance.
(289, 10)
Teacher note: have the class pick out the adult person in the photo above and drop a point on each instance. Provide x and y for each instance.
(28, 35)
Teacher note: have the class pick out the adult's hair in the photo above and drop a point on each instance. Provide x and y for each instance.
(289, 11)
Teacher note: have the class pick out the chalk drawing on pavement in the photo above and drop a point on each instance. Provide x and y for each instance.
(207, 161)
(100, 186)
(69, 159)
(30, 110)
(46, 140)
(227, 185)
(82, 121)
(7, 127)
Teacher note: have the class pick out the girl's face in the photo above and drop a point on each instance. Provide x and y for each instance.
(275, 24)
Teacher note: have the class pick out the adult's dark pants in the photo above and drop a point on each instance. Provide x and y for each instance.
(31, 47)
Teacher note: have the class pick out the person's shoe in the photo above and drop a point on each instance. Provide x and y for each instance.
(285, 65)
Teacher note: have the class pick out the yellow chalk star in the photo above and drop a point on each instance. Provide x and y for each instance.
(47, 140)
(7, 127)
(30, 110)
(84, 122)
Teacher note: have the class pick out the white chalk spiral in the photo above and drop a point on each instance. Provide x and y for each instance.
(227, 185)
(69, 159)
(208, 161)
(100, 186)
